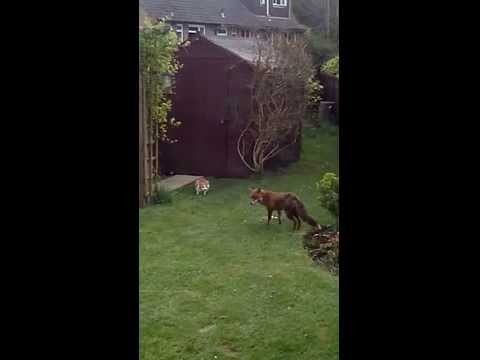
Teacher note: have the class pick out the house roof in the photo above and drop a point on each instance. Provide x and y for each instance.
(209, 12)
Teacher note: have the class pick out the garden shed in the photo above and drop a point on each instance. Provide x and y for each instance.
(212, 100)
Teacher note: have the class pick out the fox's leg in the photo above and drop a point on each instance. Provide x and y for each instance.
(291, 217)
(299, 221)
(279, 216)
(297, 218)
(269, 216)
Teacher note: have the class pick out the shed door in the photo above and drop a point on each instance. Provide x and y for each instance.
(200, 105)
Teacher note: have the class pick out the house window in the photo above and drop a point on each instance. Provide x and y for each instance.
(262, 2)
(233, 32)
(279, 2)
(179, 31)
(196, 29)
(245, 33)
(221, 31)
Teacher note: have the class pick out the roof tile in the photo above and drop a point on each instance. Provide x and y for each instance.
(208, 12)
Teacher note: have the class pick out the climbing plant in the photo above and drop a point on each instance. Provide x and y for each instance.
(158, 65)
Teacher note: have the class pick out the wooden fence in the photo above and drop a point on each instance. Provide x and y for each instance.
(149, 165)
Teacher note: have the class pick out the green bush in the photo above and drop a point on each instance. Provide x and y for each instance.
(328, 189)
(331, 66)
(161, 196)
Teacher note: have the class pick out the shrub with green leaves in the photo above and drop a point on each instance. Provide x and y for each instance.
(328, 189)
(331, 66)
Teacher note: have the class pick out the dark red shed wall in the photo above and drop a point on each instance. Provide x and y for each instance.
(239, 107)
(212, 101)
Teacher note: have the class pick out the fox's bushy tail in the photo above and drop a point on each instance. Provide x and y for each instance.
(302, 214)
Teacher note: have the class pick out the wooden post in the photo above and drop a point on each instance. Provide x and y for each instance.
(150, 152)
(141, 146)
(157, 162)
(146, 140)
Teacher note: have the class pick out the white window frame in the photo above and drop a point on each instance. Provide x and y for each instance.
(262, 2)
(178, 28)
(221, 29)
(196, 26)
(280, 3)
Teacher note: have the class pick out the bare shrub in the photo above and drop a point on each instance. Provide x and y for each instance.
(282, 88)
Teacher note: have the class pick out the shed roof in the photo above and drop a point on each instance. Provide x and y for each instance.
(209, 12)
(243, 48)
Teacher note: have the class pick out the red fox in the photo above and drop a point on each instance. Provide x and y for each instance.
(279, 201)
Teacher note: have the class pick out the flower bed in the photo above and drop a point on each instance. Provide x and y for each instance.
(322, 246)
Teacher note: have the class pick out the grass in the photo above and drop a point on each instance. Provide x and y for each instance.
(217, 283)
(161, 196)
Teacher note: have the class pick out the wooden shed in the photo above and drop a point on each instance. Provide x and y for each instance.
(212, 99)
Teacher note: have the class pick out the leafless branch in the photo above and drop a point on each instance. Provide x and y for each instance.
(281, 72)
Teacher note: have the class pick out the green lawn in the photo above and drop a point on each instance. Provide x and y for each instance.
(217, 283)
